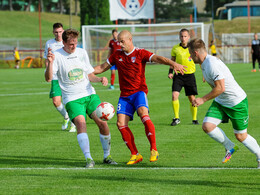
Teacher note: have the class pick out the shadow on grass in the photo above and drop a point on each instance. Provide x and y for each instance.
(38, 161)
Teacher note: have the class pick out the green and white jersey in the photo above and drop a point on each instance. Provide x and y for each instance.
(214, 69)
(72, 72)
(54, 45)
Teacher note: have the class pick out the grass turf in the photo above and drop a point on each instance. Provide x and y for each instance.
(36, 156)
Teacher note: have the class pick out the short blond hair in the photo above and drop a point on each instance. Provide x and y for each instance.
(69, 33)
(196, 44)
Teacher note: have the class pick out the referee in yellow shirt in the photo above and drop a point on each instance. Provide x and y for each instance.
(181, 55)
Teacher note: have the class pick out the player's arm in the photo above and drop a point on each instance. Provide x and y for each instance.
(93, 78)
(102, 68)
(175, 66)
(49, 66)
(170, 75)
(216, 91)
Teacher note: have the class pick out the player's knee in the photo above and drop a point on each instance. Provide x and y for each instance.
(56, 102)
(207, 127)
(241, 136)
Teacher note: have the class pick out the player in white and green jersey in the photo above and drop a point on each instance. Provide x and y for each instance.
(55, 92)
(74, 72)
(230, 102)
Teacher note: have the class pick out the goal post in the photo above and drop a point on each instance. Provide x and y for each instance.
(157, 38)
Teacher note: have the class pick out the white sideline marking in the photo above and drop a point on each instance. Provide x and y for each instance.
(16, 94)
(128, 168)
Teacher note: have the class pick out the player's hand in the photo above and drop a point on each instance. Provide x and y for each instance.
(50, 56)
(104, 81)
(180, 68)
(170, 75)
(197, 102)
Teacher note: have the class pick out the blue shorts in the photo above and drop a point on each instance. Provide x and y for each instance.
(128, 105)
(113, 67)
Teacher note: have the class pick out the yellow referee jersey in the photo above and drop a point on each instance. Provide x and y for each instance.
(182, 56)
(16, 55)
(213, 49)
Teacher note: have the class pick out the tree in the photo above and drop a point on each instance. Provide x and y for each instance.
(61, 6)
(28, 5)
(10, 5)
(172, 9)
(76, 7)
(94, 12)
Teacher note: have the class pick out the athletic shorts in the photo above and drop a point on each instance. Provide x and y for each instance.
(128, 105)
(55, 89)
(83, 106)
(237, 114)
(113, 67)
(188, 81)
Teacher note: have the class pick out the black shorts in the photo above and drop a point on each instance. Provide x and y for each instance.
(188, 81)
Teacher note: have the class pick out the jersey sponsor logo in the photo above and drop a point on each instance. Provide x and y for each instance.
(190, 59)
(132, 7)
(75, 74)
(246, 120)
(69, 58)
(133, 59)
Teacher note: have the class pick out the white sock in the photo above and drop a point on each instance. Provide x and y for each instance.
(84, 144)
(218, 135)
(252, 145)
(61, 109)
(105, 141)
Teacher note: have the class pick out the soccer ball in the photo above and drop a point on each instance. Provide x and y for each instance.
(105, 111)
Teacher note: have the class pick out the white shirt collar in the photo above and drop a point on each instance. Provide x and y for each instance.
(130, 52)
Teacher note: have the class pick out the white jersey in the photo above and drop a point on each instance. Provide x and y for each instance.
(72, 72)
(53, 44)
(214, 69)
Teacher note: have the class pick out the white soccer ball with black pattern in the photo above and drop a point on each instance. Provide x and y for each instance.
(105, 111)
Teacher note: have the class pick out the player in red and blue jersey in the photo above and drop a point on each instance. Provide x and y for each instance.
(131, 62)
(113, 46)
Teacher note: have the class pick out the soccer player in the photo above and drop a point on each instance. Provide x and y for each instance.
(16, 58)
(181, 55)
(113, 46)
(55, 92)
(131, 62)
(255, 52)
(230, 102)
(71, 66)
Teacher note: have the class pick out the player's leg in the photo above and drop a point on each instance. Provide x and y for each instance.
(177, 85)
(141, 105)
(55, 94)
(253, 62)
(77, 112)
(194, 111)
(239, 118)
(213, 118)
(125, 113)
(113, 76)
(190, 91)
(104, 133)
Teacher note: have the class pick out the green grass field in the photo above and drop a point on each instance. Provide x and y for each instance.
(36, 156)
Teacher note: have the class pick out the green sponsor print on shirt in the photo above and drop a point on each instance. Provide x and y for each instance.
(75, 74)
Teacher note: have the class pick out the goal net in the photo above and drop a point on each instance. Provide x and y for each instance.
(156, 38)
